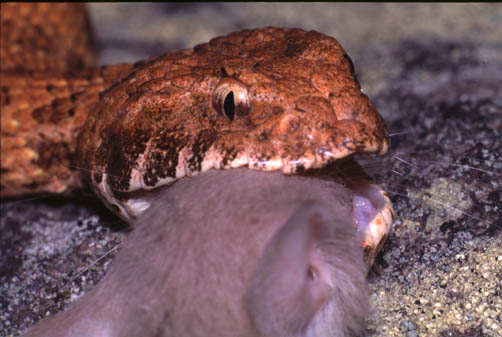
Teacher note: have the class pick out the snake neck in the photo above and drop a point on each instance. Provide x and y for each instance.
(41, 116)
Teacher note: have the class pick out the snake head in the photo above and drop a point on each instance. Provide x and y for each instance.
(269, 99)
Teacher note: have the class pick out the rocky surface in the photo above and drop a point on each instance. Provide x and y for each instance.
(433, 70)
(440, 271)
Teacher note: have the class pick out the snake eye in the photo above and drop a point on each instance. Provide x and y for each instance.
(230, 98)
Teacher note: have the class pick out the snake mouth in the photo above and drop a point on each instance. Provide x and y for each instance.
(373, 214)
(290, 156)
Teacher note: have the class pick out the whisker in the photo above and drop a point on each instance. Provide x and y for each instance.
(458, 210)
(90, 171)
(82, 195)
(397, 193)
(398, 173)
(442, 204)
(406, 162)
(14, 202)
(464, 166)
(399, 133)
(425, 162)
(91, 265)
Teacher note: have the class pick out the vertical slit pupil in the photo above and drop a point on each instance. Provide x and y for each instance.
(229, 106)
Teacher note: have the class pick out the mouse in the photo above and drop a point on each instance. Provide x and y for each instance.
(232, 253)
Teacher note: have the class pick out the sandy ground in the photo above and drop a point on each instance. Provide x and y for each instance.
(433, 70)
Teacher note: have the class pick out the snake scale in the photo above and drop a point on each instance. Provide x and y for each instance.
(129, 128)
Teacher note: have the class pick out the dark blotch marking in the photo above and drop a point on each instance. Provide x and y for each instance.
(229, 156)
(49, 87)
(51, 155)
(54, 112)
(263, 157)
(293, 49)
(165, 159)
(41, 114)
(201, 144)
(71, 112)
(125, 147)
(150, 178)
(263, 137)
(277, 110)
(224, 72)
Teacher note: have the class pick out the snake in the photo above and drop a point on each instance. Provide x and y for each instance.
(266, 98)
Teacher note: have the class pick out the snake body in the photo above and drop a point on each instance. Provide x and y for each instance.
(45, 95)
(268, 99)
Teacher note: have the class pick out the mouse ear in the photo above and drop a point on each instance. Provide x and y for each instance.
(293, 279)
